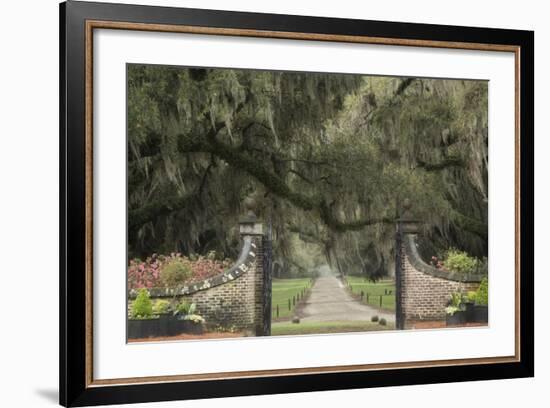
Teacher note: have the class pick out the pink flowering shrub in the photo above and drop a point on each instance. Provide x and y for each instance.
(437, 263)
(146, 274)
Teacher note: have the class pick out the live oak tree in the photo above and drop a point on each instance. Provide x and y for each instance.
(327, 158)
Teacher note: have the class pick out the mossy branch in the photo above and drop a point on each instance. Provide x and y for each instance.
(451, 161)
(254, 167)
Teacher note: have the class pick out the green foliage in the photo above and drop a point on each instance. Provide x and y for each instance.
(142, 307)
(183, 307)
(456, 299)
(195, 318)
(175, 273)
(471, 296)
(374, 318)
(482, 293)
(461, 262)
(451, 310)
(383, 322)
(328, 158)
(161, 306)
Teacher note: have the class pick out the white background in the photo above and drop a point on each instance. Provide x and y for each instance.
(29, 218)
(115, 359)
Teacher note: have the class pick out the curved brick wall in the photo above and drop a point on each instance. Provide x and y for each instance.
(425, 290)
(233, 298)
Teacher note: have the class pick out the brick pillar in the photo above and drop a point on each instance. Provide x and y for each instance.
(250, 227)
(406, 225)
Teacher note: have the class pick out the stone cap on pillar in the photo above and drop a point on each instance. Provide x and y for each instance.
(249, 224)
(407, 222)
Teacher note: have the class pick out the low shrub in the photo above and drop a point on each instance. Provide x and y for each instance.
(482, 293)
(183, 307)
(174, 273)
(142, 307)
(451, 310)
(374, 318)
(471, 296)
(456, 299)
(455, 303)
(195, 318)
(186, 308)
(461, 262)
(382, 322)
(161, 306)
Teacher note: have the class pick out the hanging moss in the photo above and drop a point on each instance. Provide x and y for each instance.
(337, 152)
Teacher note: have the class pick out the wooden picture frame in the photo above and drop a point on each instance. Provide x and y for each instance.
(78, 20)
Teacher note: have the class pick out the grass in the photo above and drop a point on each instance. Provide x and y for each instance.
(293, 329)
(374, 289)
(284, 290)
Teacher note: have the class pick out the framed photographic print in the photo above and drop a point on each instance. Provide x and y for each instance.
(255, 203)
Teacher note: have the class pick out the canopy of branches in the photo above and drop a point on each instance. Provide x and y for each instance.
(327, 158)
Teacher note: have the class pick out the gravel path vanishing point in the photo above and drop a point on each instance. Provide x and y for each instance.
(329, 300)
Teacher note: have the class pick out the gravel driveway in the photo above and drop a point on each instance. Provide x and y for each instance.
(329, 300)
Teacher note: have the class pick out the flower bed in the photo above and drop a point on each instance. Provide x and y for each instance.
(162, 318)
(163, 325)
(469, 308)
(147, 273)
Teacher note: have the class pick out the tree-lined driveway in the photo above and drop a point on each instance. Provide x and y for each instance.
(329, 300)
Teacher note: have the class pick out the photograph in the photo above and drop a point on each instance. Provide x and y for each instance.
(256, 203)
(288, 203)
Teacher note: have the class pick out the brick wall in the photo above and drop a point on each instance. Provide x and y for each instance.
(233, 298)
(425, 290)
(236, 303)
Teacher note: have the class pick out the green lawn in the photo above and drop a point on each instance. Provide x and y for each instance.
(283, 291)
(374, 290)
(292, 329)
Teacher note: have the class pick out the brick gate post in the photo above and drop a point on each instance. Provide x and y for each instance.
(249, 226)
(406, 224)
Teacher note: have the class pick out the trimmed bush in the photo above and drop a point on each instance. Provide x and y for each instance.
(382, 322)
(459, 261)
(374, 318)
(175, 273)
(142, 307)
